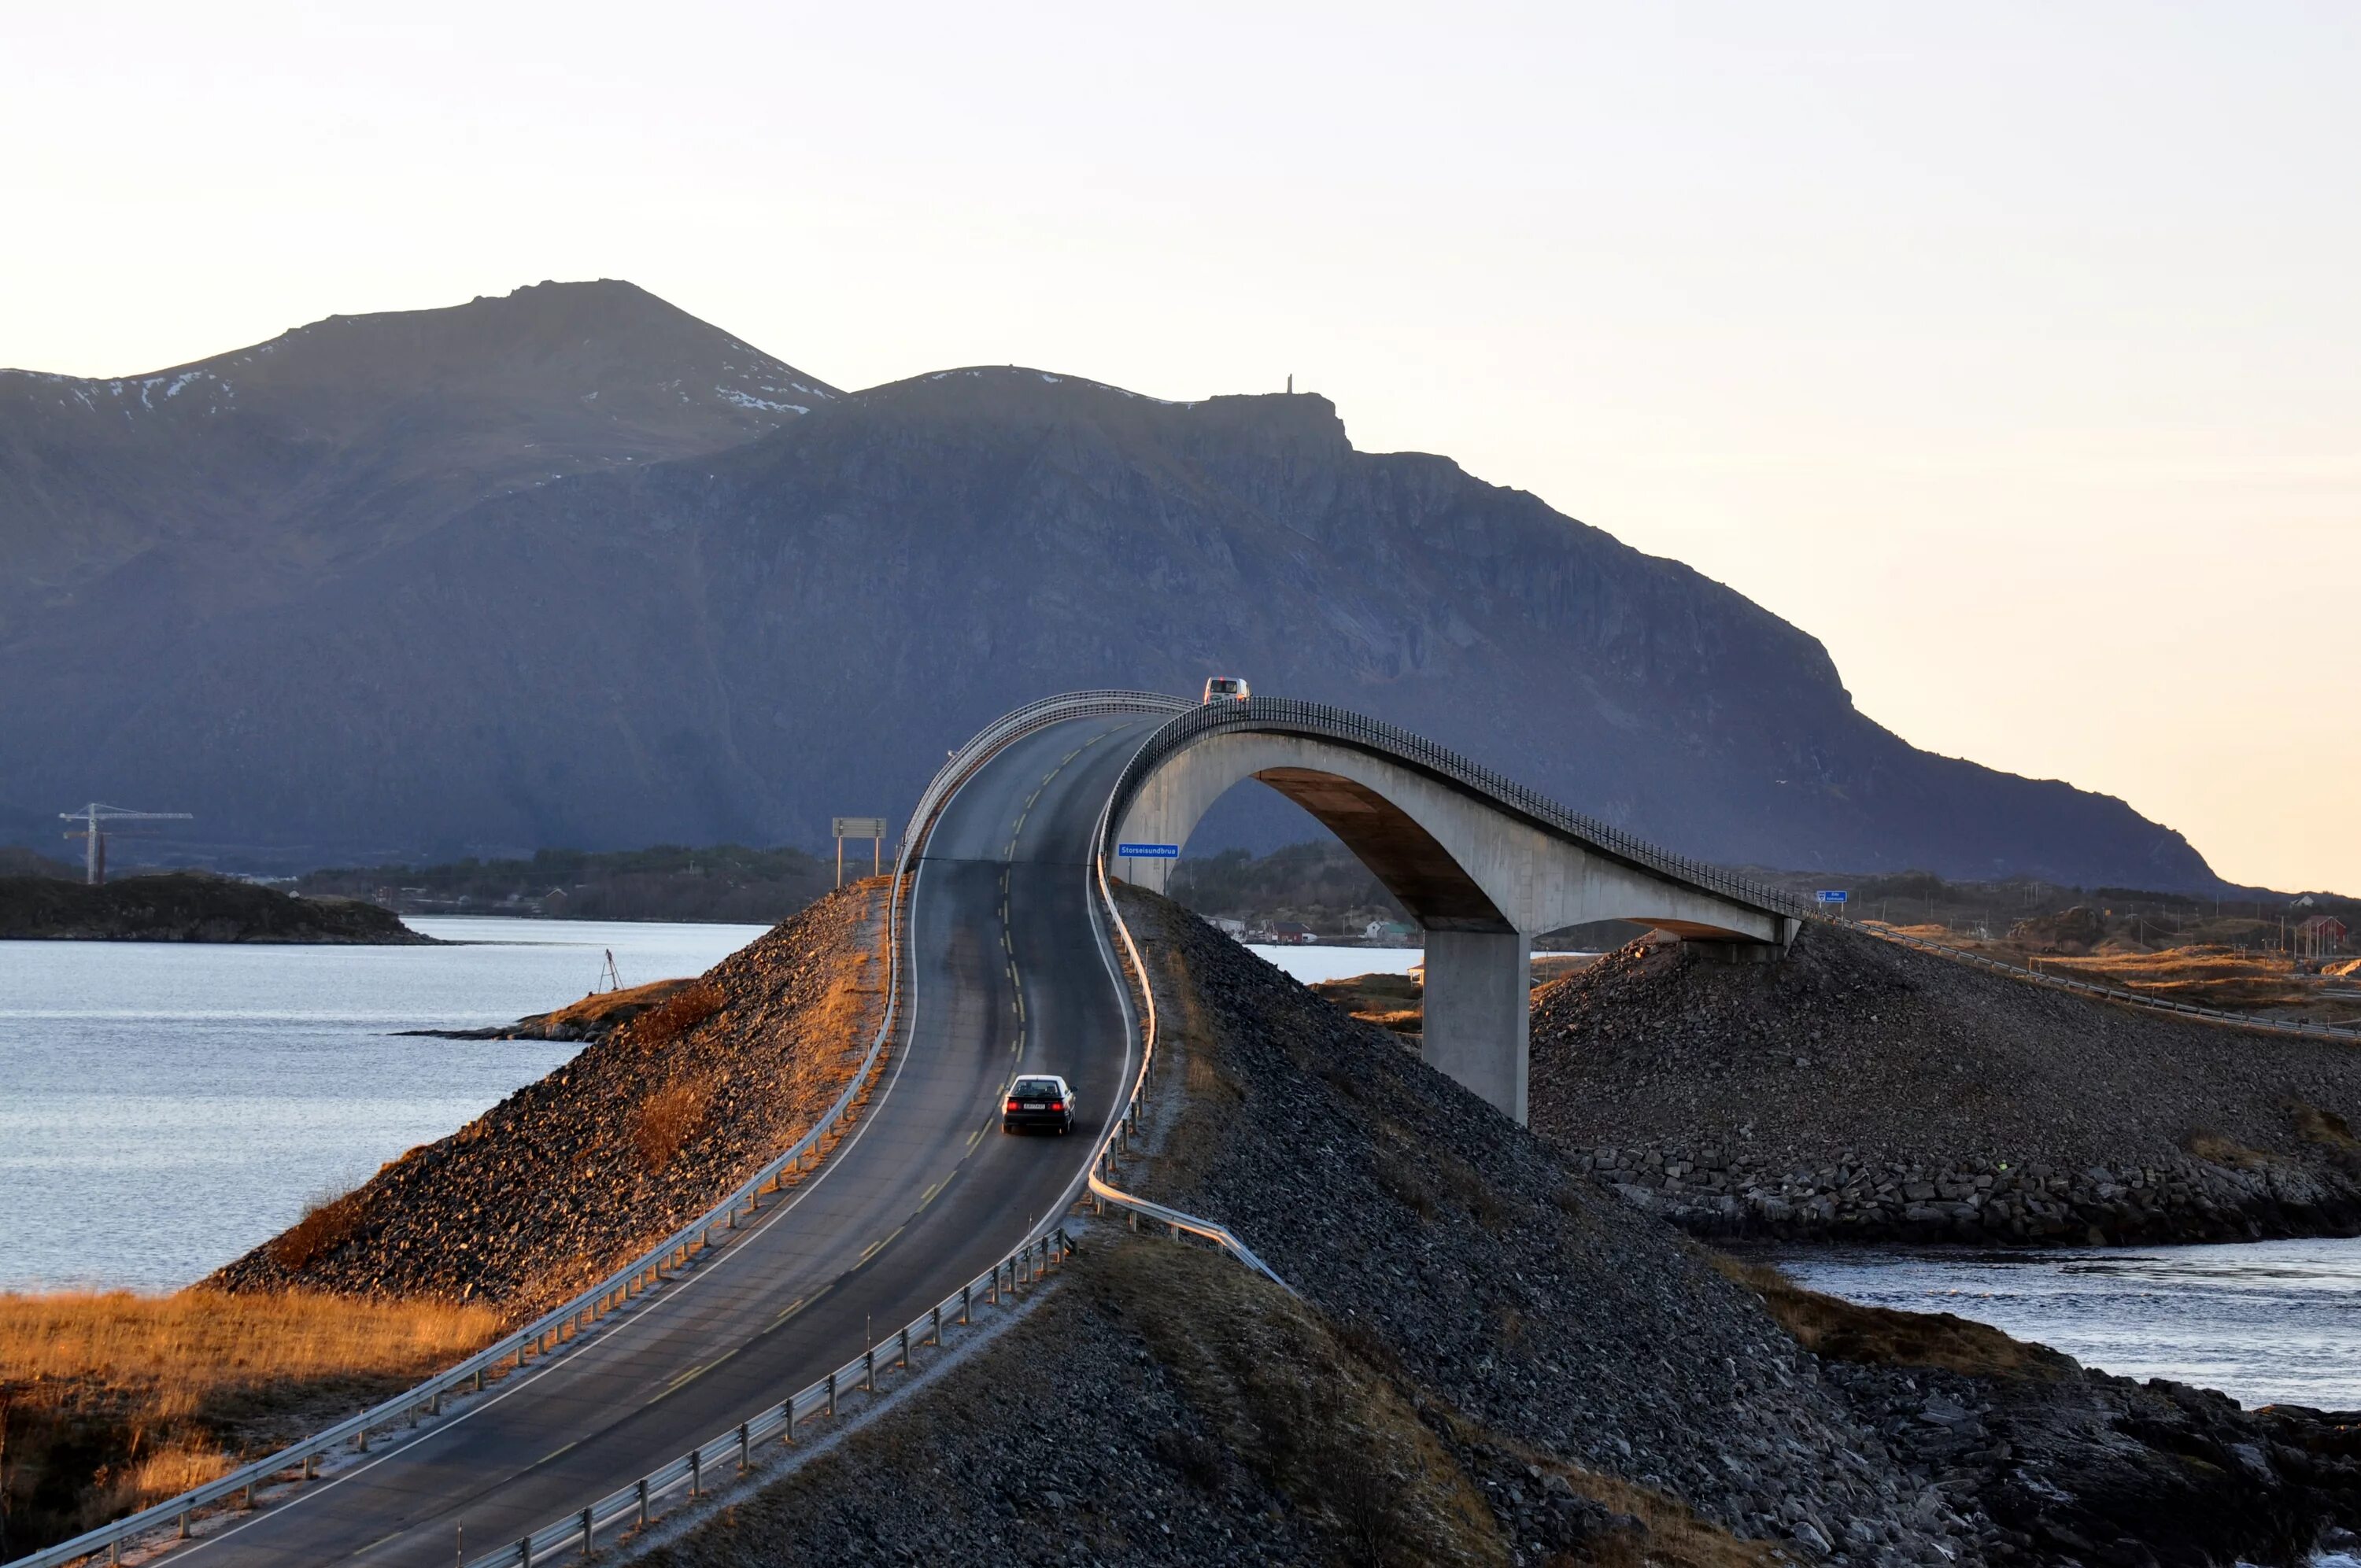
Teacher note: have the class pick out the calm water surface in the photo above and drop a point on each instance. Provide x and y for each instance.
(164, 1106)
(1312, 964)
(2263, 1321)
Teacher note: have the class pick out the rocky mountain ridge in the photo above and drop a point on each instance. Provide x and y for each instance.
(457, 642)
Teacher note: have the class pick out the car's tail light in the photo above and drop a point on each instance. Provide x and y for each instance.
(1011, 1105)
(1056, 1105)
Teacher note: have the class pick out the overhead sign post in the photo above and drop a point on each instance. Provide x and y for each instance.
(869, 827)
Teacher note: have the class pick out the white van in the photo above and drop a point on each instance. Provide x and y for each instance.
(1225, 688)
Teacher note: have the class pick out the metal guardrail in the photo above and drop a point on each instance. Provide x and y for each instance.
(554, 1330)
(1141, 1025)
(1050, 1244)
(732, 1453)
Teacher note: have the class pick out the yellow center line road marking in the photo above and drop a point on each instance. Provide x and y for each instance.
(977, 1137)
(556, 1452)
(683, 1377)
(793, 1308)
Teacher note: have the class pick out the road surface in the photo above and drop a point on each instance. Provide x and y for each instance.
(924, 1195)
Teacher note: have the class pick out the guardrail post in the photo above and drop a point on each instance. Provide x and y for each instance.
(869, 1370)
(480, 1380)
(434, 1403)
(789, 1410)
(938, 1324)
(360, 1441)
(524, 1552)
(832, 1393)
(745, 1447)
(185, 1531)
(905, 1362)
(696, 1474)
(586, 1533)
(640, 1487)
(967, 1302)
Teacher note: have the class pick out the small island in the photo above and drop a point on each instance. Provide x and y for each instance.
(188, 906)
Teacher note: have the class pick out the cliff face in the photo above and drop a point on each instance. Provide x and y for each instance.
(741, 644)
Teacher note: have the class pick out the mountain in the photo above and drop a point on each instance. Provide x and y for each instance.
(234, 481)
(782, 624)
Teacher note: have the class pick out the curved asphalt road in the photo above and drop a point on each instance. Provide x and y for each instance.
(925, 1194)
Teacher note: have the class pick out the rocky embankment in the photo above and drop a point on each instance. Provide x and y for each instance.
(571, 1176)
(1864, 1091)
(188, 906)
(1492, 1361)
(594, 1017)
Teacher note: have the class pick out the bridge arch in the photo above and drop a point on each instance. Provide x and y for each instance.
(1484, 867)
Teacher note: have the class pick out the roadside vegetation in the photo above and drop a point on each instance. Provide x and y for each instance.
(114, 1401)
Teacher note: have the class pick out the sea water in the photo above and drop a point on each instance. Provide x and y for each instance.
(2265, 1323)
(165, 1106)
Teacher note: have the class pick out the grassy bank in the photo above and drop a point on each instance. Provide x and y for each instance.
(114, 1401)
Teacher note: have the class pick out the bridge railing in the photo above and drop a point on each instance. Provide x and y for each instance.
(1397, 744)
(554, 1330)
(1291, 717)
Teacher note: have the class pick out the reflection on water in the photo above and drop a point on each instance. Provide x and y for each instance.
(2263, 1321)
(167, 1105)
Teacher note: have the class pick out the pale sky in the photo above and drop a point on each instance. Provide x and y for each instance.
(2014, 350)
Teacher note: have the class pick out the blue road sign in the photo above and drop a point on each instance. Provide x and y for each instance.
(1149, 852)
(1832, 895)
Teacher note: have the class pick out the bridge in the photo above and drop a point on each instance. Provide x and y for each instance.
(1004, 959)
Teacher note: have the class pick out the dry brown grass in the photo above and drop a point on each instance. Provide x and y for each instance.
(118, 1400)
(2326, 1128)
(327, 1223)
(620, 1007)
(2205, 976)
(664, 1119)
(1829, 1327)
(188, 1346)
(680, 1013)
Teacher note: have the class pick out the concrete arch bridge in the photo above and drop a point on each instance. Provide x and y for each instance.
(1482, 863)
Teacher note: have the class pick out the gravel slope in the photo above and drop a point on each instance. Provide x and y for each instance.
(1493, 1360)
(569, 1177)
(1864, 1090)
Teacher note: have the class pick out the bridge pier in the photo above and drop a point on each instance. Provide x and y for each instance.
(1478, 1012)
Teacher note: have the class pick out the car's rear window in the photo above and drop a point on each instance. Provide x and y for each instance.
(1035, 1087)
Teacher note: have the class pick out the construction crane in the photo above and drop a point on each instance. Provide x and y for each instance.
(93, 858)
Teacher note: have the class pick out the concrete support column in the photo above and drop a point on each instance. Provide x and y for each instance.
(1478, 1012)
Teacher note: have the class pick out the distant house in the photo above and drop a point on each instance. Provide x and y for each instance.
(2321, 935)
(1290, 932)
(1385, 931)
(1230, 927)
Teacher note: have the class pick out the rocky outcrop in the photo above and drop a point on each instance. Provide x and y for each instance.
(1864, 1091)
(594, 1017)
(571, 1176)
(188, 906)
(2181, 1199)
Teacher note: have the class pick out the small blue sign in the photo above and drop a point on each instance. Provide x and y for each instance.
(1832, 895)
(1149, 852)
